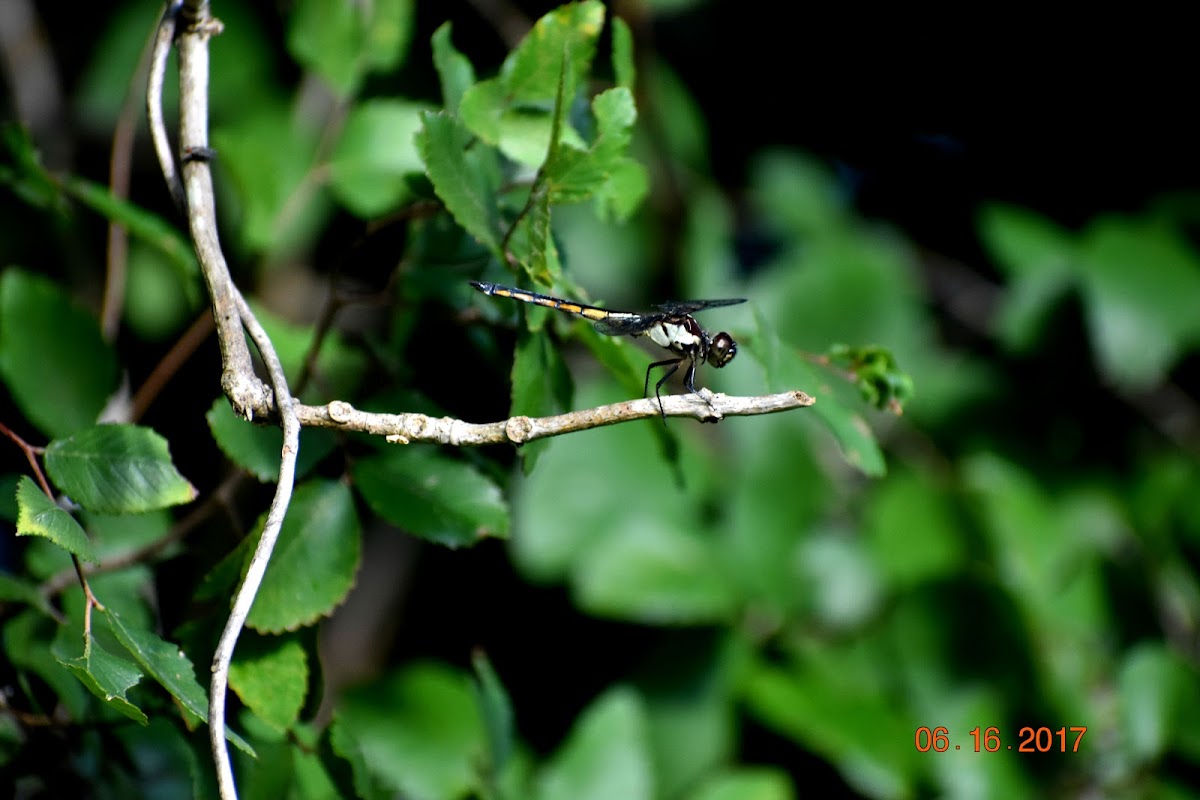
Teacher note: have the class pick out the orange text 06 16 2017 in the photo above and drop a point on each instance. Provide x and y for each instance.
(1029, 739)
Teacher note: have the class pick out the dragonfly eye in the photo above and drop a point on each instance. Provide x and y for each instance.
(722, 350)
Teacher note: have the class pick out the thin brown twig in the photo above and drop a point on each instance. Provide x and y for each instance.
(176, 357)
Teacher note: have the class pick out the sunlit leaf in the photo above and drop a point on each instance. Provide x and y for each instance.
(38, 515)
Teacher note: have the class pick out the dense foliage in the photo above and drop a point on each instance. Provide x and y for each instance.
(969, 570)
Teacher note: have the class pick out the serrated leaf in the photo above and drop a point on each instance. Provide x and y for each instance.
(417, 733)
(37, 515)
(270, 675)
(374, 154)
(432, 496)
(572, 174)
(117, 469)
(455, 71)
(170, 667)
(315, 559)
(108, 677)
(531, 72)
(56, 365)
(464, 177)
(606, 755)
(258, 448)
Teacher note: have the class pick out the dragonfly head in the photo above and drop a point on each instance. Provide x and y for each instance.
(722, 350)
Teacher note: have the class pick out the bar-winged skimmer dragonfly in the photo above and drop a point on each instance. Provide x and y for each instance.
(672, 327)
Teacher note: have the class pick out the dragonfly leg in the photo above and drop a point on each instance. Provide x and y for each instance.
(690, 382)
(674, 365)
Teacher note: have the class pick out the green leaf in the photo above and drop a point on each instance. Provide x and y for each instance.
(327, 37)
(117, 469)
(56, 365)
(496, 709)
(267, 157)
(170, 667)
(258, 448)
(787, 370)
(374, 154)
(27, 641)
(145, 226)
(454, 69)
(432, 496)
(37, 515)
(531, 72)
(624, 68)
(1140, 280)
(17, 590)
(388, 32)
(909, 554)
(339, 367)
(605, 756)
(574, 174)
(541, 385)
(417, 733)
(465, 177)
(1158, 701)
(270, 675)
(108, 677)
(1025, 244)
(747, 784)
(655, 574)
(315, 559)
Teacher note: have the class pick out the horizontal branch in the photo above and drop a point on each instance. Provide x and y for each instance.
(406, 428)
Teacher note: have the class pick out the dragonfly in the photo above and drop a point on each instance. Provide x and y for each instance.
(671, 327)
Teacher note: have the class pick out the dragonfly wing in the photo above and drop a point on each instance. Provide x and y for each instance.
(679, 307)
(625, 324)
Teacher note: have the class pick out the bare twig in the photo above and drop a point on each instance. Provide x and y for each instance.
(248, 395)
(262, 552)
(406, 428)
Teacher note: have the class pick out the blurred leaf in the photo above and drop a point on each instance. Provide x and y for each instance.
(465, 177)
(267, 157)
(170, 667)
(328, 37)
(27, 638)
(338, 369)
(1159, 701)
(416, 732)
(37, 515)
(388, 33)
(798, 195)
(148, 227)
(432, 496)
(828, 705)
(315, 559)
(454, 69)
(258, 448)
(108, 677)
(747, 784)
(52, 358)
(605, 756)
(374, 154)
(495, 707)
(624, 68)
(786, 370)
(117, 469)
(654, 574)
(1140, 279)
(1025, 244)
(912, 531)
(541, 386)
(270, 675)
(158, 301)
(17, 590)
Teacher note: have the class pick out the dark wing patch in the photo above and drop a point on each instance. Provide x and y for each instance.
(625, 324)
(692, 306)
